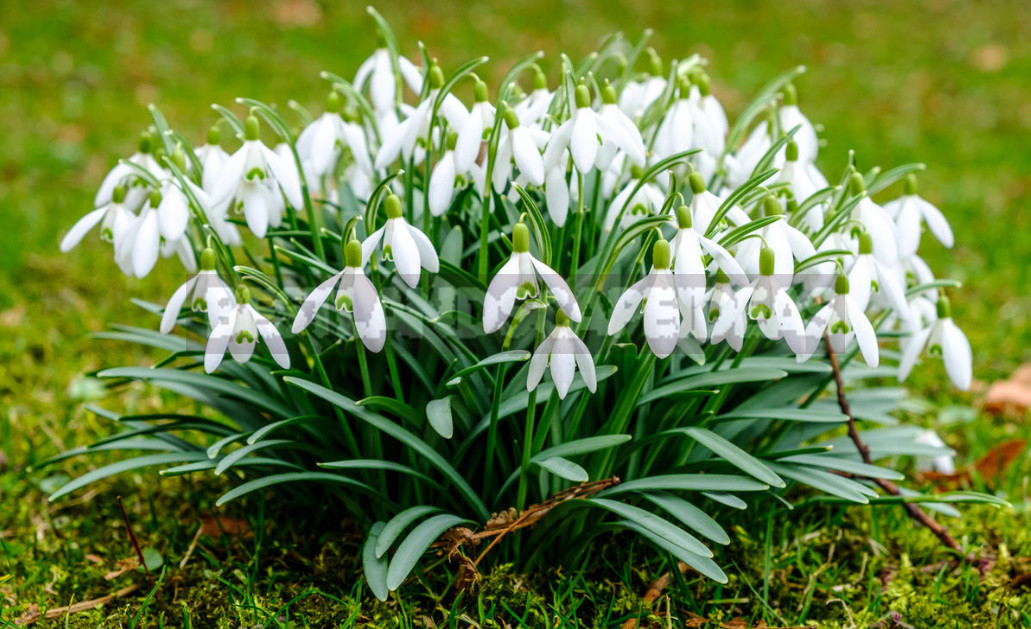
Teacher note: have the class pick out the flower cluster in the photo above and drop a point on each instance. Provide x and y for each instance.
(792, 243)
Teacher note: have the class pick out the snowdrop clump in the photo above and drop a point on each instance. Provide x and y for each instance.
(611, 202)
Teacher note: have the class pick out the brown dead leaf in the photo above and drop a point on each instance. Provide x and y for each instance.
(694, 621)
(990, 467)
(218, 525)
(1011, 396)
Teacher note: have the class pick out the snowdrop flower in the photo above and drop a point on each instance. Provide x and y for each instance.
(688, 264)
(138, 248)
(589, 136)
(556, 190)
(876, 221)
(403, 139)
(174, 211)
(252, 179)
(727, 312)
(909, 210)
(791, 116)
(212, 158)
(521, 144)
(377, 74)
(676, 131)
(869, 275)
(356, 294)
(206, 292)
(620, 133)
(443, 178)
(320, 143)
(532, 109)
(843, 320)
(405, 244)
(517, 279)
(770, 306)
(786, 242)
(742, 163)
(113, 217)
(564, 352)
(129, 177)
(238, 329)
(664, 306)
(633, 201)
(800, 184)
(704, 204)
(944, 463)
(638, 96)
(470, 135)
(945, 339)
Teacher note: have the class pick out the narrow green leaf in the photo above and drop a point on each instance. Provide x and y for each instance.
(563, 468)
(582, 446)
(118, 467)
(415, 545)
(688, 482)
(438, 412)
(374, 566)
(655, 524)
(689, 515)
(734, 455)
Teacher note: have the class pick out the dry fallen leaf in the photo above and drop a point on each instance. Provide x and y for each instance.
(1011, 396)
(217, 525)
(990, 467)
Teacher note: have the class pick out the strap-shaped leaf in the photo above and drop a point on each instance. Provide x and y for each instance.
(711, 379)
(689, 515)
(824, 481)
(564, 468)
(582, 446)
(374, 566)
(397, 524)
(655, 524)
(290, 477)
(688, 482)
(438, 413)
(135, 463)
(734, 455)
(729, 500)
(703, 565)
(415, 545)
(513, 356)
(841, 464)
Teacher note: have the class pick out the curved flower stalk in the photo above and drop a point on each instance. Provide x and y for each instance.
(666, 302)
(517, 279)
(843, 320)
(253, 180)
(238, 329)
(405, 244)
(943, 338)
(356, 294)
(564, 352)
(909, 211)
(206, 292)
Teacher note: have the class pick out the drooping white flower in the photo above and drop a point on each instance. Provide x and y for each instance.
(114, 219)
(238, 329)
(876, 221)
(471, 134)
(521, 144)
(943, 463)
(727, 311)
(206, 292)
(665, 304)
(556, 190)
(772, 308)
(405, 244)
(253, 180)
(517, 279)
(139, 246)
(564, 352)
(790, 117)
(592, 139)
(212, 158)
(356, 294)
(704, 204)
(787, 243)
(137, 188)
(403, 139)
(842, 319)
(869, 276)
(638, 95)
(532, 109)
(689, 248)
(633, 201)
(377, 75)
(321, 143)
(945, 339)
(909, 211)
(801, 185)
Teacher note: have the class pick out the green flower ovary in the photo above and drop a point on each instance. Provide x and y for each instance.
(199, 304)
(761, 311)
(243, 336)
(344, 302)
(526, 290)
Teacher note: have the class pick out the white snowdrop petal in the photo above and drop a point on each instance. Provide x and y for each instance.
(557, 195)
(791, 327)
(286, 176)
(310, 308)
(627, 305)
(81, 228)
(911, 350)
(217, 344)
(244, 336)
(467, 145)
(936, 222)
(558, 287)
(539, 363)
(369, 244)
(956, 354)
(175, 305)
(583, 142)
(442, 184)
(405, 253)
(369, 317)
(585, 363)
(500, 296)
(563, 364)
(255, 208)
(661, 318)
(229, 176)
(866, 336)
(427, 254)
(527, 157)
(146, 244)
(273, 339)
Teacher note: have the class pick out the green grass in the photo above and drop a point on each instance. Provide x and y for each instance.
(941, 82)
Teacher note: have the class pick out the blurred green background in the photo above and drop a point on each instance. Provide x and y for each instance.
(946, 82)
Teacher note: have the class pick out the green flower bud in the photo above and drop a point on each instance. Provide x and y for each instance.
(540, 81)
(791, 151)
(155, 198)
(520, 238)
(684, 217)
(480, 91)
(214, 135)
(791, 205)
(118, 194)
(179, 158)
(243, 294)
(251, 128)
(661, 255)
(353, 253)
(766, 261)
(436, 77)
(207, 259)
(451, 140)
(511, 119)
(684, 85)
(702, 81)
(944, 308)
(697, 183)
(334, 102)
(771, 206)
(608, 93)
(583, 96)
(146, 144)
(841, 284)
(621, 63)
(856, 184)
(789, 94)
(865, 243)
(392, 206)
(561, 320)
(910, 184)
(654, 62)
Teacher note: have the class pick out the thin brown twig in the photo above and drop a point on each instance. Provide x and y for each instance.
(132, 537)
(33, 615)
(914, 511)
